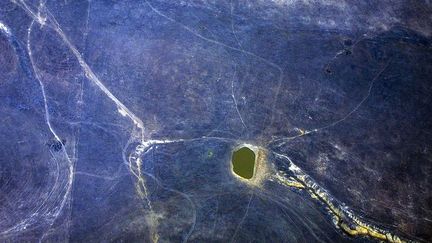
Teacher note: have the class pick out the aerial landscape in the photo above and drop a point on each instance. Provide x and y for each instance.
(215, 121)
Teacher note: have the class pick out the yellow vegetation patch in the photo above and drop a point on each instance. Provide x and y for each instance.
(339, 214)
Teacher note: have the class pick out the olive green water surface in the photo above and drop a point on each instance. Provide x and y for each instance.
(243, 161)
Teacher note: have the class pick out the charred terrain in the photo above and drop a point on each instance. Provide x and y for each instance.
(119, 120)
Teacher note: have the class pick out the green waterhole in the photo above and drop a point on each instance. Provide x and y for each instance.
(243, 161)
